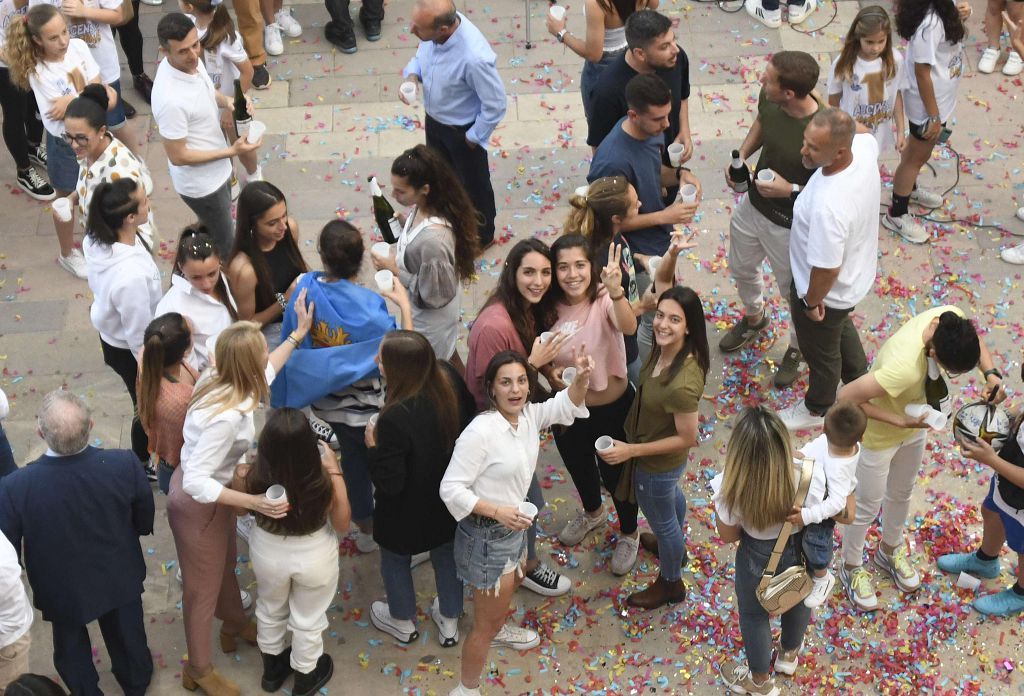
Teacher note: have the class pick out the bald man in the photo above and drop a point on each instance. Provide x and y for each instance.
(833, 249)
(463, 96)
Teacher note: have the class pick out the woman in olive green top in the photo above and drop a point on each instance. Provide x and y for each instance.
(662, 427)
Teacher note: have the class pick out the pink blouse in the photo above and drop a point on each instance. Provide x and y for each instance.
(591, 324)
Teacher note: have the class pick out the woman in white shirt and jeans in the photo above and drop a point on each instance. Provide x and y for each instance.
(486, 481)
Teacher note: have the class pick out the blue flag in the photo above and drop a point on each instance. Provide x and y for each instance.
(349, 322)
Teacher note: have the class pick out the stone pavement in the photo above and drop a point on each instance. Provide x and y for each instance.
(334, 119)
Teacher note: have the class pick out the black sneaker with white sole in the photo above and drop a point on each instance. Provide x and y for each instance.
(324, 432)
(35, 185)
(545, 581)
(37, 154)
(261, 77)
(150, 472)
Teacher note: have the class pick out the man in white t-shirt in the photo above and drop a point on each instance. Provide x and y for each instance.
(186, 109)
(833, 249)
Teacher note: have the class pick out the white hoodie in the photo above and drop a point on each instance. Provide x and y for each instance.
(125, 284)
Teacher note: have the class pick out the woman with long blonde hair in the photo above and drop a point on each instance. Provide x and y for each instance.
(218, 431)
(753, 496)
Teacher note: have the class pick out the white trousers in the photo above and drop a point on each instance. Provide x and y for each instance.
(296, 579)
(752, 239)
(885, 480)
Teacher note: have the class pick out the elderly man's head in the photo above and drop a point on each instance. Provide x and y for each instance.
(64, 422)
(434, 20)
(828, 136)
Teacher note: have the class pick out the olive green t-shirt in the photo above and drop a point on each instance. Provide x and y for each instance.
(782, 137)
(651, 417)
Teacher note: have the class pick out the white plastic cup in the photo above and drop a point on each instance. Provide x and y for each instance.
(936, 420)
(603, 443)
(968, 581)
(568, 375)
(256, 131)
(547, 336)
(652, 265)
(675, 154)
(557, 11)
(408, 90)
(766, 176)
(385, 280)
(688, 193)
(277, 494)
(381, 249)
(528, 509)
(62, 208)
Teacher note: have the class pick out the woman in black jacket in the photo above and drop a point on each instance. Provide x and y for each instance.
(410, 445)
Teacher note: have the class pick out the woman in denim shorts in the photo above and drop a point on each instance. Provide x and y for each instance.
(485, 489)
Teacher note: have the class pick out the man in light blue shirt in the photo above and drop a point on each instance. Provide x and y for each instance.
(463, 96)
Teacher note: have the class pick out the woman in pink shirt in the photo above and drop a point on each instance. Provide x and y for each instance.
(594, 312)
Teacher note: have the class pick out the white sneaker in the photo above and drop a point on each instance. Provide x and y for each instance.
(73, 263)
(625, 554)
(797, 417)
(769, 18)
(246, 599)
(461, 690)
(515, 637)
(1020, 214)
(284, 19)
(1013, 65)
(987, 62)
(402, 630)
(820, 592)
(1014, 255)
(447, 629)
(786, 661)
(419, 559)
(365, 542)
(907, 227)
(576, 529)
(926, 198)
(152, 2)
(799, 13)
(272, 40)
(243, 526)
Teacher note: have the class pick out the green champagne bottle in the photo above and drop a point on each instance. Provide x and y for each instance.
(384, 214)
(241, 111)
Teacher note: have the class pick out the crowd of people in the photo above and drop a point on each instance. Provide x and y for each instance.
(372, 416)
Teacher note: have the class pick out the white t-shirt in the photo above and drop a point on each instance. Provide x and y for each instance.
(928, 45)
(185, 107)
(7, 14)
(735, 517)
(835, 225)
(869, 97)
(96, 35)
(51, 81)
(832, 480)
(222, 62)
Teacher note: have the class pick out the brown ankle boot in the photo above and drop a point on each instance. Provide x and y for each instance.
(229, 641)
(659, 593)
(212, 683)
(649, 543)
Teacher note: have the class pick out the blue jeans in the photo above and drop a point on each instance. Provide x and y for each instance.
(755, 626)
(164, 471)
(401, 594)
(818, 541)
(355, 467)
(664, 505)
(536, 496)
(7, 464)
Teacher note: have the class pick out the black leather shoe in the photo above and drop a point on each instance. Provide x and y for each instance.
(276, 668)
(309, 684)
(129, 110)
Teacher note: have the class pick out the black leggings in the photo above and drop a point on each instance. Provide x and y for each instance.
(123, 362)
(588, 471)
(21, 125)
(131, 42)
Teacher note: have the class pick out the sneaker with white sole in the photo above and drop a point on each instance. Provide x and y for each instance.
(742, 333)
(799, 13)
(324, 431)
(461, 690)
(365, 542)
(272, 40)
(73, 263)
(155, 3)
(786, 661)
(926, 199)
(515, 637)
(1014, 255)
(624, 555)
(576, 529)
(770, 18)
(243, 527)
(797, 417)
(35, 185)
(907, 227)
(988, 60)
(236, 188)
(284, 19)
(821, 590)
(1020, 214)
(899, 567)
(741, 681)
(1005, 603)
(859, 587)
(447, 629)
(544, 580)
(246, 599)
(402, 630)
(37, 155)
(1013, 65)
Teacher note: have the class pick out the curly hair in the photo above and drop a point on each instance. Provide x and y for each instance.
(910, 14)
(23, 53)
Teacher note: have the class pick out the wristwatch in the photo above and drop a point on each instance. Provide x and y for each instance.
(803, 300)
(561, 35)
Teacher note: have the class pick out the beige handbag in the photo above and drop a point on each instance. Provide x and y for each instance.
(780, 593)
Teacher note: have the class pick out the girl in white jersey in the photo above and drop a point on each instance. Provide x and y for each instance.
(865, 79)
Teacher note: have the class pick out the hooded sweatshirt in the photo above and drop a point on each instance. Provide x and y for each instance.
(125, 284)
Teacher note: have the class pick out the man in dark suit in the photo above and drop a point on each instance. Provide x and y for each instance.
(79, 511)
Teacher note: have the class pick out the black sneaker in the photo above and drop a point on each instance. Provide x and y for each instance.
(150, 472)
(37, 155)
(35, 185)
(743, 333)
(789, 368)
(546, 581)
(144, 86)
(309, 684)
(129, 110)
(372, 29)
(260, 76)
(344, 39)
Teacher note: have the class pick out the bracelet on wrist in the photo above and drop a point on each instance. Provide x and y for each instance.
(281, 300)
(618, 297)
(291, 339)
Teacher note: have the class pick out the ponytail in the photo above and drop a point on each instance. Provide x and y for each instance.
(592, 212)
(22, 52)
(111, 203)
(220, 29)
(167, 340)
